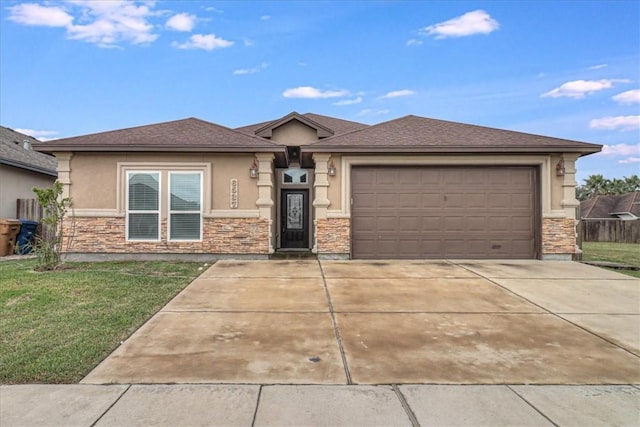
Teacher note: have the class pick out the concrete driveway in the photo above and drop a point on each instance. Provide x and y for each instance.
(390, 322)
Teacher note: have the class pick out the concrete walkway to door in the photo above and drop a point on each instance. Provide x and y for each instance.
(390, 322)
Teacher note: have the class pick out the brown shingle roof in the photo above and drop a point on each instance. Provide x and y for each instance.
(336, 125)
(420, 134)
(13, 153)
(603, 206)
(180, 135)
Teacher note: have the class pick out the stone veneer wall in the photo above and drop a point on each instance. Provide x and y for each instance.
(220, 236)
(333, 236)
(558, 236)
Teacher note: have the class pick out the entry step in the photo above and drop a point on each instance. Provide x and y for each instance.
(292, 254)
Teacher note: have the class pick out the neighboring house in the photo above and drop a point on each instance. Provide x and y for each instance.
(21, 169)
(623, 206)
(406, 188)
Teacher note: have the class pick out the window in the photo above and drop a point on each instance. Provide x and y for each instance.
(143, 206)
(294, 176)
(185, 206)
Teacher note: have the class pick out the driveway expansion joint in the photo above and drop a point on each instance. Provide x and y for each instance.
(336, 330)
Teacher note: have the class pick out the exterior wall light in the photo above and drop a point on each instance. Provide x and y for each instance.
(332, 169)
(253, 170)
(560, 168)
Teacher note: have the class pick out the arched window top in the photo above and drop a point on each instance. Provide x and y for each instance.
(294, 176)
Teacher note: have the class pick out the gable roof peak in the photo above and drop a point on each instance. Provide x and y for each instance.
(266, 131)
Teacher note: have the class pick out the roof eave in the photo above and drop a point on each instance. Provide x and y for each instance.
(156, 148)
(31, 168)
(444, 150)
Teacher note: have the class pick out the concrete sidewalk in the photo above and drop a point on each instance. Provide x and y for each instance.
(311, 405)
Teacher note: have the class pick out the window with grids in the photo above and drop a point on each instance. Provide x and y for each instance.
(143, 206)
(185, 205)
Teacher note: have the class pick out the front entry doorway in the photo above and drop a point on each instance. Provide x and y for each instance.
(294, 219)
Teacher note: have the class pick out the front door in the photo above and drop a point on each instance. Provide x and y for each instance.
(294, 219)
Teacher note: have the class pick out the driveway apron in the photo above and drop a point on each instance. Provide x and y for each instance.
(389, 322)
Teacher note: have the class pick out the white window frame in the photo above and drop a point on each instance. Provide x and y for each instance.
(158, 211)
(171, 212)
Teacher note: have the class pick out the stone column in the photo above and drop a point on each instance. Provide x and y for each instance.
(64, 171)
(569, 202)
(321, 200)
(265, 190)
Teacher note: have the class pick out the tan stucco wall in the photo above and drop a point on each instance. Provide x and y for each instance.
(556, 184)
(16, 184)
(94, 177)
(294, 133)
(334, 191)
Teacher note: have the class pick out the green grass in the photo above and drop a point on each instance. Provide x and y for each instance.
(622, 253)
(56, 326)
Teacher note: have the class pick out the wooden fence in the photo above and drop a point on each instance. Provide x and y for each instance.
(29, 209)
(614, 230)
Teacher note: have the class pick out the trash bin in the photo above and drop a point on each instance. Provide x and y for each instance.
(26, 237)
(9, 229)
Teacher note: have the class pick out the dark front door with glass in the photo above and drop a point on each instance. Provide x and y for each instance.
(295, 219)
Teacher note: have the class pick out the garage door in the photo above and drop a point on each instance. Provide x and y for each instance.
(444, 212)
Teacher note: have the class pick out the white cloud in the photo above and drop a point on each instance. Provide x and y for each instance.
(397, 94)
(311, 92)
(580, 88)
(371, 112)
(357, 100)
(628, 97)
(35, 14)
(414, 42)
(242, 71)
(265, 17)
(111, 23)
(203, 41)
(598, 67)
(622, 123)
(181, 22)
(471, 23)
(105, 23)
(630, 160)
(42, 135)
(620, 150)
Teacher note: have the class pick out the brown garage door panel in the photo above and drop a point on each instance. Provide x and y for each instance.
(436, 212)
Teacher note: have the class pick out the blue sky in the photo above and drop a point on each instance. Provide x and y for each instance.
(568, 69)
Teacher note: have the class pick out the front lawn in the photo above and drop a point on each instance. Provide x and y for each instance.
(56, 326)
(621, 253)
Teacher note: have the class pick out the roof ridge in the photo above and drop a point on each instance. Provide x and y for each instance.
(322, 141)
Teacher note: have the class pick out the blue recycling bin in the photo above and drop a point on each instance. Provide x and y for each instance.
(26, 237)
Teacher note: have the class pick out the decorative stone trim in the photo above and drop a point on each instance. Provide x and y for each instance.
(333, 236)
(220, 236)
(558, 236)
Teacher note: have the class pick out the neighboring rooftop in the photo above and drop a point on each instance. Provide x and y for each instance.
(16, 150)
(625, 206)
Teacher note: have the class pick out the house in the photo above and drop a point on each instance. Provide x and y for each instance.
(622, 206)
(21, 169)
(412, 187)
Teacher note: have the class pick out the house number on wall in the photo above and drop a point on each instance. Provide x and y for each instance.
(233, 202)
